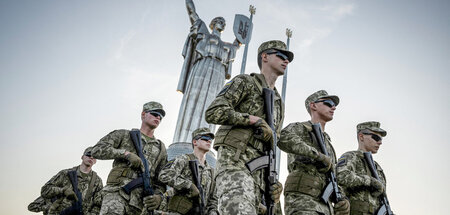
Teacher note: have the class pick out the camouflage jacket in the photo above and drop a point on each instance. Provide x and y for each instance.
(302, 151)
(113, 146)
(234, 141)
(178, 175)
(54, 189)
(354, 175)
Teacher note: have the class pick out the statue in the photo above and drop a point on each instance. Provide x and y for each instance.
(207, 63)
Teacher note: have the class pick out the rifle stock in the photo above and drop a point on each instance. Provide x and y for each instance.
(385, 208)
(331, 190)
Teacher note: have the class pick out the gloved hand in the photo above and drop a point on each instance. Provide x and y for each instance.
(134, 161)
(193, 191)
(377, 187)
(325, 163)
(263, 131)
(262, 209)
(70, 194)
(342, 207)
(275, 191)
(152, 202)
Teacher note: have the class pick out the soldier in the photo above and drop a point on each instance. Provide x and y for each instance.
(64, 197)
(128, 166)
(239, 109)
(354, 175)
(179, 176)
(307, 165)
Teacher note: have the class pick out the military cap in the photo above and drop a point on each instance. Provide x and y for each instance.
(372, 126)
(88, 151)
(154, 106)
(201, 132)
(277, 45)
(320, 95)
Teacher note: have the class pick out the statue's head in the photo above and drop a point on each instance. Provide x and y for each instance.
(218, 23)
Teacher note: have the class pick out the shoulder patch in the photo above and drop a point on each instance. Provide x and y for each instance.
(225, 88)
(169, 164)
(342, 161)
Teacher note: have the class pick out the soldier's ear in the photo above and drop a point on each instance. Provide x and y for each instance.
(360, 137)
(312, 106)
(142, 115)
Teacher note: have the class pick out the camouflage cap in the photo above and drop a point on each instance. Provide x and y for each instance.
(153, 106)
(277, 45)
(372, 126)
(88, 151)
(201, 132)
(320, 95)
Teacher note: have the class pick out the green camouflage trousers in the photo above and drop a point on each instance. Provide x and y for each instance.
(236, 193)
(114, 204)
(302, 204)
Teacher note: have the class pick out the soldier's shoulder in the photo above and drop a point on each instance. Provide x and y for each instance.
(243, 78)
(119, 132)
(297, 126)
(346, 158)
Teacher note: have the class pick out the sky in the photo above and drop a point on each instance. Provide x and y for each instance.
(73, 71)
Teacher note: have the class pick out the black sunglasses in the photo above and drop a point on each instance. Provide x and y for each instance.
(156, 114)
(88, 154)
(205, 138)
(327, 102)
(374, 136)
(280, 55)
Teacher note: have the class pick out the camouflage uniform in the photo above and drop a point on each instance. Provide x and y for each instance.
(305, 183)
(178, 175)
(238, 191)
(113, 146)
(354, 176)
(55, 187)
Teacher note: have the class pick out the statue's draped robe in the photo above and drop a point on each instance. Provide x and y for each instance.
(207, 62)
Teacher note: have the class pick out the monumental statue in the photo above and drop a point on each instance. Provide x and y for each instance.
(207, 63)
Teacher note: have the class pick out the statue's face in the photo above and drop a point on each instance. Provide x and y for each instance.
(218, 23)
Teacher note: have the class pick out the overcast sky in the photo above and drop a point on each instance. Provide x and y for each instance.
(72, 71)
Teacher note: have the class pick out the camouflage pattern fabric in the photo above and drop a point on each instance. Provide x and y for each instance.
(179, 176)
(238, 99)
(371, 125)
(321, 94)
(237, 193)
(277, 45)
(55, 187)
(302, 152)
(113, 146)
(354, 176)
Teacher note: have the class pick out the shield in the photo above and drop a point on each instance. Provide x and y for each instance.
(242, 28)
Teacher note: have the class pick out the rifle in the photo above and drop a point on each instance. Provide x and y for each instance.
(193, 165)
(332, 189)
(76, 208)
(267, 161)
(143, 178)
(385, 208)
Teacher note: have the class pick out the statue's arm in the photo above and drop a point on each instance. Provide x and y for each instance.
(193, 16)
